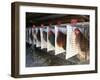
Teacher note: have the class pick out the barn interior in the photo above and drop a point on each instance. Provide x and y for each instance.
(37, 57)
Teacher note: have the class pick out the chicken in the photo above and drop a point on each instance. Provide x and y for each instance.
(61, 40)
(38, 35)
(45, 35)
(51, 37)
(81, 44)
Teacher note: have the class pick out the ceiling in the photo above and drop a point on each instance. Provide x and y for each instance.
(46, 18)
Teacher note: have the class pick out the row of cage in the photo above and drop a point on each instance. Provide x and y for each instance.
(64, 38)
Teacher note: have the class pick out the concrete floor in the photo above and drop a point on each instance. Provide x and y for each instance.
(36, 57)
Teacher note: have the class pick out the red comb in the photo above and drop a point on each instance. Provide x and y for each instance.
(77, 31)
